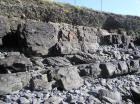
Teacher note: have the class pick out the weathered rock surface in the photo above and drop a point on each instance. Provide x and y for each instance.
(57, 61)
(72, 62)
(82, 58)
(15, 62)
(57, 13)
(37, 37)
(110, 97)
(108, 69)
(40, 83)
(92, 70)
(13, 82)
(69, 78)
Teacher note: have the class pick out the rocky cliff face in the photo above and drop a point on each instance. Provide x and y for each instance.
(55, 53)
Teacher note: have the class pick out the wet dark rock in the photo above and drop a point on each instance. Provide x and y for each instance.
(67, 48)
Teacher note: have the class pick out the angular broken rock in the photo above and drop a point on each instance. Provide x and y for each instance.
(13, 82)
(82, 58)
(67, 48)
(56, 61)
(110, 97)
(15, 63)
(37, 37)
(40, 83)
(69, 78)
(123, 67)
(90, 70)
(134, 65)
(107, 69)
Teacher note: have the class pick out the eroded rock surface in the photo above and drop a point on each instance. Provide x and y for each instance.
(43, 61)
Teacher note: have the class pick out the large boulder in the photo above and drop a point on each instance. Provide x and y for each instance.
(122, 65)
(69, 78)
(92, 70)
(134, 65)
(37, 37)
(14, 63)
(13, 82)
(107, 69)
(40, 83)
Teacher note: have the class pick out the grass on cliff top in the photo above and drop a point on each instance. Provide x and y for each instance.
(52, 2)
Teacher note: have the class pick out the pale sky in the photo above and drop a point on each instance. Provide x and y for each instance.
(126, 7)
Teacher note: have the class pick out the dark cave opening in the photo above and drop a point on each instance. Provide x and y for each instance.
(11, 40)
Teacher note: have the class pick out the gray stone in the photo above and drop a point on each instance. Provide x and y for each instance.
(92, 70)
(66, 47)
(37, 37)
(123, 67)
(69, 78)
(13, 82)
(107, 69)
(110, 97)
(82, 58)
(53, 100)
(134, 65)
(23, 100)
(40, 83)
(15, 63)
(56, 61)
(2, 102)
